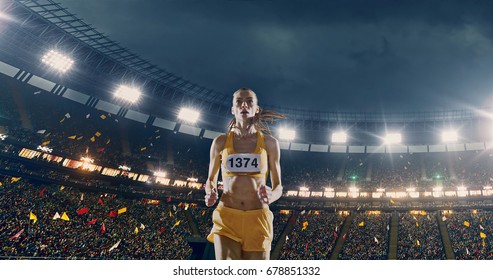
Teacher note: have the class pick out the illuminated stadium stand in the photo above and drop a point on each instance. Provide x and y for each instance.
(100, 62)
(106, 106)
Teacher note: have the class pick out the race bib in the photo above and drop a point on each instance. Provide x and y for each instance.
(243, 163)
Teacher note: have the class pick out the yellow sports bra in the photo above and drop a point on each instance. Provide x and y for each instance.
(252, 164)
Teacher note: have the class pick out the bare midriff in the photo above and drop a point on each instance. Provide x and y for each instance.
(240, 192)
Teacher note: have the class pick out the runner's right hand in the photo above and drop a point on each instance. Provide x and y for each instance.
(211, 197)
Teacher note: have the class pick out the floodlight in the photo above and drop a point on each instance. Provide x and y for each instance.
(353, 189)
(411, 189)
(393, 138)
(44, 149)
(87, 159)
(188, 115)
(127, 93)
(380, 190)
(57, 61)
(339, 137)
(286, 134)
(124, 168)
(159, 173)
(450, 136)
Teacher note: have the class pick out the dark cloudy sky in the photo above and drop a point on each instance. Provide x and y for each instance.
(365, 55)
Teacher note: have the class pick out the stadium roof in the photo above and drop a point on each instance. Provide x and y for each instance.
(101, 61)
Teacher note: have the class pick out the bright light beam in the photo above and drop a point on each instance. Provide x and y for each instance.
(450, 136)
(287, 134)
(57, 61)
(128, 93)
(189, 115)
(339, 137)
(393, 138)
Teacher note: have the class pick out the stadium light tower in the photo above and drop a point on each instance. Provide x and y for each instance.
(287, 134)
(339, 137)
(127, 93)
(450, 136)
(393, 138)
(189, 115)
(57, 61)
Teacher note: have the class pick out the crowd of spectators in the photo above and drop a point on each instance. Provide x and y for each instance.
(419, 237)
(356, 167)
(201, 215)
(396, 170)
(281, 219)
(146, 231)
(313, 236)
(73, 130)
(438, 166)
(470, 234)
(367, 238)
(314, 170)
(28, 228)
(474, 168)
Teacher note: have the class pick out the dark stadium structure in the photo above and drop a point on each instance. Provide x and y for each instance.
(84, 175)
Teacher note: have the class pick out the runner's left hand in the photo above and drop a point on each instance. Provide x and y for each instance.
(265, 193)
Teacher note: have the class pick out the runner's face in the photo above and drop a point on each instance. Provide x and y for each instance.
(244, 104)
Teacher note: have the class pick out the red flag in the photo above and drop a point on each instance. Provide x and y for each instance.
(113, 214)
(92, 222)
(42, 191)
(335, 234)
(16, 235)
(161, 230)
(344, 236)
(168, 199)
(82, 211)
(103, 229)
(100, 150)
(100, 201)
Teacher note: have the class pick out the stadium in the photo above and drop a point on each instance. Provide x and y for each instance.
(100, 160)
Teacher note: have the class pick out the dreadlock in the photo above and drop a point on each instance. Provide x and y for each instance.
(260, 119)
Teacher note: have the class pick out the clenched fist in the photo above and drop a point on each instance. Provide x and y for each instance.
(211, 197)
(265, 193)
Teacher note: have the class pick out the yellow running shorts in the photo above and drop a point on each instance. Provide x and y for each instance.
(253, 229)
